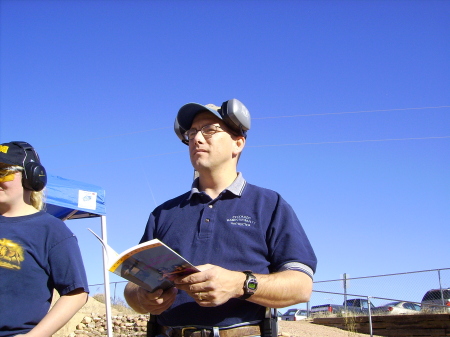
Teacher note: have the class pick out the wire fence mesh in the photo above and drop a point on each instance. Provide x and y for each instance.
(381, 289)
(409, 286)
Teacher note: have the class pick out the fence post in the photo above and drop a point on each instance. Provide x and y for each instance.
(345, 291)
(440, 287)
(370, 316)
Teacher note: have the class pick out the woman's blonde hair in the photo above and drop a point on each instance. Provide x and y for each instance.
(37, 200)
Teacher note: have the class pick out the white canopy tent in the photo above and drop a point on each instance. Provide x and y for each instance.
(70, 199)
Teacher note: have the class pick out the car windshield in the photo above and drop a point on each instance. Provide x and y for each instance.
(411, 306)
(391, 304)
(290, 312)
(416, 306)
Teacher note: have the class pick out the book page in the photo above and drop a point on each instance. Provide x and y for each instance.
(155, 265)
(111, 254)
(151, 265)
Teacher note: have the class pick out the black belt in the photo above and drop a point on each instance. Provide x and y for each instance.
(242, 331)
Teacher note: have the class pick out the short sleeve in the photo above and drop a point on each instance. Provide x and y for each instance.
(66, 267)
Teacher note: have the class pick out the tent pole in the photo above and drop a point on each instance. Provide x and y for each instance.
(106, 281)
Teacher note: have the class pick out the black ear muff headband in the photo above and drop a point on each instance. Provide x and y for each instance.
(34, 176)
(233, 112)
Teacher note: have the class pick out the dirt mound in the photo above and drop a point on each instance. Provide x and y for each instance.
(91, 306)
(306, 328)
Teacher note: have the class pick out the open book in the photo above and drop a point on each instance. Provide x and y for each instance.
(151, 265)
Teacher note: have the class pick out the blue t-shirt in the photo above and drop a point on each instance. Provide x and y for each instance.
(38, 253)
(245, 228)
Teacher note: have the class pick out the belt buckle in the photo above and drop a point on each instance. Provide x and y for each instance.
(187, 328)
(203, 332)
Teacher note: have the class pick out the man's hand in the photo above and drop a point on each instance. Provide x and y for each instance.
(213, 285)
(144, 302)
(158, 301)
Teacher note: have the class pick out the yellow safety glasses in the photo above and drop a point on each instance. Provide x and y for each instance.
(7, 174)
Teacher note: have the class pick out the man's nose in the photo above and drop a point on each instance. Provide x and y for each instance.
(198, 136)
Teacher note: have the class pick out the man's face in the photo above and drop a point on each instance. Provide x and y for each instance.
(211, 152)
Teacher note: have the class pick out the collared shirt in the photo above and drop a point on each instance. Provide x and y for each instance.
(245, 228)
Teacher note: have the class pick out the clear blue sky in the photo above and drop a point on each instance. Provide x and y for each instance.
(350, 103)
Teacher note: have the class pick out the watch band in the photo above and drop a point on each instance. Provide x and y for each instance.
(250, 285)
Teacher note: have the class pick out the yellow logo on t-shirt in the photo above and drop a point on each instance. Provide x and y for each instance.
(11, 254)
(4, 148)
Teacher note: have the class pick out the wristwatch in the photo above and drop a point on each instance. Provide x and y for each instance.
(250, 285)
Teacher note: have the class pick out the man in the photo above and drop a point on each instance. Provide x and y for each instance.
(246, 241)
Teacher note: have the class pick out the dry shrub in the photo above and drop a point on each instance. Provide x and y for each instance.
(350, 323)
(118, 304)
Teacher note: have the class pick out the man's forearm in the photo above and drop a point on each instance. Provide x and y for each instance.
(282, 289)
(60, 314)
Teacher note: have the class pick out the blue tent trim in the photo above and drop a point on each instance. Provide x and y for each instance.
(63, 199)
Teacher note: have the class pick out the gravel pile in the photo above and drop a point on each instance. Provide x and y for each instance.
(122, 326)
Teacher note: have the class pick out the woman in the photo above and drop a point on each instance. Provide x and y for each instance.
(38, 253)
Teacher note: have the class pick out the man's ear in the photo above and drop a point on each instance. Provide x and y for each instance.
(239, 144)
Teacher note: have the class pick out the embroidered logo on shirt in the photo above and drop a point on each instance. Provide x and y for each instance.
(11, 254)
(4, 148)
(241, 220)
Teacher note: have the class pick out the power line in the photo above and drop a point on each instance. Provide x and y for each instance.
(259, 118)
(353, 141)
(353, 112)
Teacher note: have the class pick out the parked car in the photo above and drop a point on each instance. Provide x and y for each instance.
(397, 308)
(355, 305)
(436, 300)
(324, 308)
(294, 315)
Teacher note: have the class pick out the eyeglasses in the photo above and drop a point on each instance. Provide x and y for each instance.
(207, 131)
(8, 173)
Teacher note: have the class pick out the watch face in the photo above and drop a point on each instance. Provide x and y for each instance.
(252, 285)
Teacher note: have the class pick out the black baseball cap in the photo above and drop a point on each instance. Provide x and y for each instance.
(14, 153)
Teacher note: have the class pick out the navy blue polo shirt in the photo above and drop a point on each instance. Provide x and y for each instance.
(245, 228)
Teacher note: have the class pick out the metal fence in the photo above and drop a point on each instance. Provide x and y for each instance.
(116, 291)
(380, 289)
(409, 286)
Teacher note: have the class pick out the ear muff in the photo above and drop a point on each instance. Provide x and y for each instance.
(34, 176)
(236, 116)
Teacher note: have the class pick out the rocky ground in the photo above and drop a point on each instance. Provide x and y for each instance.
(304, 328)
(136, 326)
